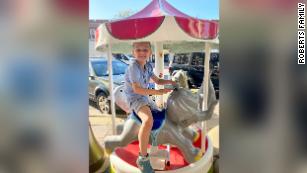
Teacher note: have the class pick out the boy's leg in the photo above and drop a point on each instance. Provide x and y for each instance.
(147, 121)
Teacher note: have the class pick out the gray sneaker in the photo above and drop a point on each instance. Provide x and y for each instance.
(144, 164)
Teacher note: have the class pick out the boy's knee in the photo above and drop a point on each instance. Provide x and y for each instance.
(148, 121)
(146, 116)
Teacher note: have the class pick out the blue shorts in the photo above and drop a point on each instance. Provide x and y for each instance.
(136, 105)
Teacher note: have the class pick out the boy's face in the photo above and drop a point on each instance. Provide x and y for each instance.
(141, 51)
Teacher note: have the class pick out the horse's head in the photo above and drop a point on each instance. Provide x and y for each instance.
(183, 106)
(181, 78)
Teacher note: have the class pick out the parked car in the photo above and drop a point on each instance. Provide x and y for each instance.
(124, 58)
(99, 81)
(193, 64)
(166, 58)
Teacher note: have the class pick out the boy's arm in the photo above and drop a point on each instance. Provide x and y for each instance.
(143, 91)
(162, 81)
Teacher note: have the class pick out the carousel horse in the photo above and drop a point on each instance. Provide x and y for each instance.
(171, 125)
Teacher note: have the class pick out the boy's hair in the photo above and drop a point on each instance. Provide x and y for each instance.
(133, 45)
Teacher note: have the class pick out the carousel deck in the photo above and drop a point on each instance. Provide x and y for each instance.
(130, 152)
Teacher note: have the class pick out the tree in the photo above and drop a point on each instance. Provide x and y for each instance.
(123, 14)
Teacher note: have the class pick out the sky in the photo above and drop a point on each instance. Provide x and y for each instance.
(108, 9)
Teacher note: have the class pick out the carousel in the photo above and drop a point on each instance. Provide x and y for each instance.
(175, 146)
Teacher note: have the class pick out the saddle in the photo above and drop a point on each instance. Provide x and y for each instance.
(158, 118)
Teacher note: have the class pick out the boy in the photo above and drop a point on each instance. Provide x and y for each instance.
(137, 79)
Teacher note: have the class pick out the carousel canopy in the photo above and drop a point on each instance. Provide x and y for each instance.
(157, 22)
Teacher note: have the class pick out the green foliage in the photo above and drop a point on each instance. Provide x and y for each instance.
(124, 14)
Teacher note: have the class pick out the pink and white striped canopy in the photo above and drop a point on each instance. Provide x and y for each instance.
(157, 22)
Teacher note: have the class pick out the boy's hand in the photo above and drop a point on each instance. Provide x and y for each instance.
(172, 83)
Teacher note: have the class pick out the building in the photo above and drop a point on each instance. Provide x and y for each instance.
(93, 24)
